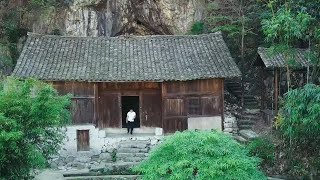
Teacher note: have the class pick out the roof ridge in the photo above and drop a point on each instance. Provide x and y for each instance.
(31, 34)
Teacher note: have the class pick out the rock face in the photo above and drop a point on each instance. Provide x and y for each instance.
(117, 17)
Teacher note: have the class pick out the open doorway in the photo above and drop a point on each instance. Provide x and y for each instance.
(127, 103)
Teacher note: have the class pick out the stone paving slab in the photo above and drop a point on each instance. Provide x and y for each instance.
(48, 174)
(248, 134)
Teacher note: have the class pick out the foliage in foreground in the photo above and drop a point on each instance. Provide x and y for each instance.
(262, 148)
(299, 125)
(200, 155)
(31, 113)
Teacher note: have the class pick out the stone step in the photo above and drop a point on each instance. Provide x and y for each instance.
(131, 159)
(115, 168)
(234, 88)
(106, 177)
(132, 150)
(245, 127)
(250, 100)
(248, 134)
(121, 155)
(251, 103)
(245, 122)
(240, 139)
(132, 145)
(252, 112)
(247, 117)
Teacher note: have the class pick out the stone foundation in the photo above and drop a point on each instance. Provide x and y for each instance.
(105, 150)
(230, 124)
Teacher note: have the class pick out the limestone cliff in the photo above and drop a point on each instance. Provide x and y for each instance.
(117, 17)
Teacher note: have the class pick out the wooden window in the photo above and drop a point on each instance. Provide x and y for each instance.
(83, 140)
(194, 106)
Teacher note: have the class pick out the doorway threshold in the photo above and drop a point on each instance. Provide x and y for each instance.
(140, 131)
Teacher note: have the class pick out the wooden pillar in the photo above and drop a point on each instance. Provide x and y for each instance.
(163, 96)
(222, 104)
(263, 89)
(96, 102)
(276, 90)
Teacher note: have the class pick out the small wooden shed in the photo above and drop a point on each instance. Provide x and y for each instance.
(171, 82)
(276, 63)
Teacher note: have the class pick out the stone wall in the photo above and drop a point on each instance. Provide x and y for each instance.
(230, 124)
(110, 150)
(104, 151)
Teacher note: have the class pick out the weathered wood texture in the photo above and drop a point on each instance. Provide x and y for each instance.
(190, 99)
(83, 100)
(83, 141)
(109, 111)
(166, 105)
(150, 115)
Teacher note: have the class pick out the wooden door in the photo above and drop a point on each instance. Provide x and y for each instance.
(175, 118)
(83, 141)
(151, 109)
(109, 110)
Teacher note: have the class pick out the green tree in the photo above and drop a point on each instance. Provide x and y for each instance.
(200, 155)
(31, 116)
(239, 21)
(284, 29)
(299, 125)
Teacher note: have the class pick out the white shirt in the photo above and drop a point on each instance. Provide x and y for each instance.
(131, 116)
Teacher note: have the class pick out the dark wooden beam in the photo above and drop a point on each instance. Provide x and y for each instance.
(222, 104)
(276, 90)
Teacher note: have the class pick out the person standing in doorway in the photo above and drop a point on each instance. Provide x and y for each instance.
(131, 115)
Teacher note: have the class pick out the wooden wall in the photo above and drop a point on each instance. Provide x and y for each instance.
(83, 100)
(109, 106)
(166, 105)
(100, 103)
(200, 98)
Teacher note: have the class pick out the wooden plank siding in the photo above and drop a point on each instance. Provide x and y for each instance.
(183, 99)
(83, 109)
(167, 104)
(109, 111)
(151, 109)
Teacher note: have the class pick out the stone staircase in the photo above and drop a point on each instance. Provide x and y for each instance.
(117, 164)
(248, 118)
(235, 88)
(134, 151)
(251, 112)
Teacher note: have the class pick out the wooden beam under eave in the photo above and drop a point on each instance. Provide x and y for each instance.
(222, 104)
(276, 90)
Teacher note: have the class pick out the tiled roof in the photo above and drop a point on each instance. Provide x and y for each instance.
(143, 58)
(271, 60)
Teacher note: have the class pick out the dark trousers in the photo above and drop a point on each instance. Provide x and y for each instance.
(130, 127)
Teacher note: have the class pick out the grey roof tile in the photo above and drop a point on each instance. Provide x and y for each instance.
(143, 58)
(278, 60)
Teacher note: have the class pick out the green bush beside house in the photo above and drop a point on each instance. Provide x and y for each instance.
(200, 155)
(31, 114)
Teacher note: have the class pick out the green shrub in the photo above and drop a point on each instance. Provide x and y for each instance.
(31, 114)
(299, 125)
(197, 28)
(299, 116)
(200, 155)
(262, 148)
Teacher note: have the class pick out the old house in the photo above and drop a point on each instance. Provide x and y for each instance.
(274, 77)
(171, 82)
